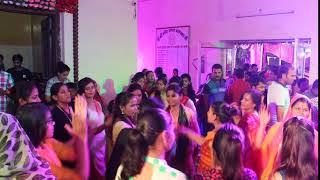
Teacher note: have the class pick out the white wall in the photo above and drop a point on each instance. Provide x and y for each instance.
(107, 41)
(214, 20)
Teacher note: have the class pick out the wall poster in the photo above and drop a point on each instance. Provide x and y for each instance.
(172, 49)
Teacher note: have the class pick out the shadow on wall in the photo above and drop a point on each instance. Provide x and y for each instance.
(125, 87)
(110, 92)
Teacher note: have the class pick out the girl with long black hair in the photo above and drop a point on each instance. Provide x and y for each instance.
(144, 154)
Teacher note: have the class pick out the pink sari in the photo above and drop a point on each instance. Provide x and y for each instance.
(271, 146)
(250, 123)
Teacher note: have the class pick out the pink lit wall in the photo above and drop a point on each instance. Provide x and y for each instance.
(214, 20)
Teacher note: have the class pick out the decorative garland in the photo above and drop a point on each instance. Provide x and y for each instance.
(75, 34)
(69, 6)
(34, 4)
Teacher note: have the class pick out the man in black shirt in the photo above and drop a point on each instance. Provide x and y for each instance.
(1, 63)
(18, 72)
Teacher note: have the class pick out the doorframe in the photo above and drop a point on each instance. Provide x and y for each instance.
(56, 23)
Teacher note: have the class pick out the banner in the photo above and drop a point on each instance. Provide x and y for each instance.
(172, 49)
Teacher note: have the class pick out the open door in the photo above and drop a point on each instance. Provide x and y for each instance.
(47, 47)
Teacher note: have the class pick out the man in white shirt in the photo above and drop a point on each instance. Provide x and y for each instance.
(278, 93)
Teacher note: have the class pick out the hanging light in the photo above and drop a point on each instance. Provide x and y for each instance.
(302, 54)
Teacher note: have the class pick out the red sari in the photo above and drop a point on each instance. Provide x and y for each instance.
(249, 123)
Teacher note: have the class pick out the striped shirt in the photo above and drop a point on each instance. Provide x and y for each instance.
(51, 82)
(6, 82)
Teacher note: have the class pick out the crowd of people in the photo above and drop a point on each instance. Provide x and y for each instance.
(251, 125)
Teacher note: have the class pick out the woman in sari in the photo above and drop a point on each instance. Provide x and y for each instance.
(181, 157)
(270, 148)
(250, 105)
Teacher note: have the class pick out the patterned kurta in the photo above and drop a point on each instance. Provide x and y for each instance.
(18, 158)
(6, 82)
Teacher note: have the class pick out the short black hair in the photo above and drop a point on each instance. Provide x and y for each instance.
(303, 83)
(256, 79)
(133, 87)
(174, 87)
(245, 66)
(255, 96)
(17, 57)
(72, 85)
(148, 72)
(137, 76)
(283, 69)
(158, 70)
(152, 102)
(55, 88)
(62, 67)
(216, 66)
(163, 79)
(239, 73)
(24, 89)
(254, 65)
(274, 69)
(186, 75)
(163, 76)
(315, 84)
(176, 69)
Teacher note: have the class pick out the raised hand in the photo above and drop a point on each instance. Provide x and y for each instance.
(79, 122)
(264, 116)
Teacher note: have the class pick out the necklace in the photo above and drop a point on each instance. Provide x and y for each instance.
(66, 114)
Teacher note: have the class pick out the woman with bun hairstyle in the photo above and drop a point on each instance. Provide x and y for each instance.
(228, 146)
(218, 114)
(61, 76)
(125, 110)
(144, 154)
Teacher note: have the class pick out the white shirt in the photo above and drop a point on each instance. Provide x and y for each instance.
(161, 171)
(279, 94)
(51, 82)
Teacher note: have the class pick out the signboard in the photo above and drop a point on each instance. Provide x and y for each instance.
(172, 49)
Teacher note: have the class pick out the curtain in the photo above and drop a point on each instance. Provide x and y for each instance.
(242, 54)
(256, 54)
(287, 53)
(283, 50)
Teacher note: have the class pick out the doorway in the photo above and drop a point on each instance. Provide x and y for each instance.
(34, 35)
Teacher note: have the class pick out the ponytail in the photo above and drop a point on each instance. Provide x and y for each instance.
(151, 123)
(228, 146)
(134, 154)
(224, 111)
